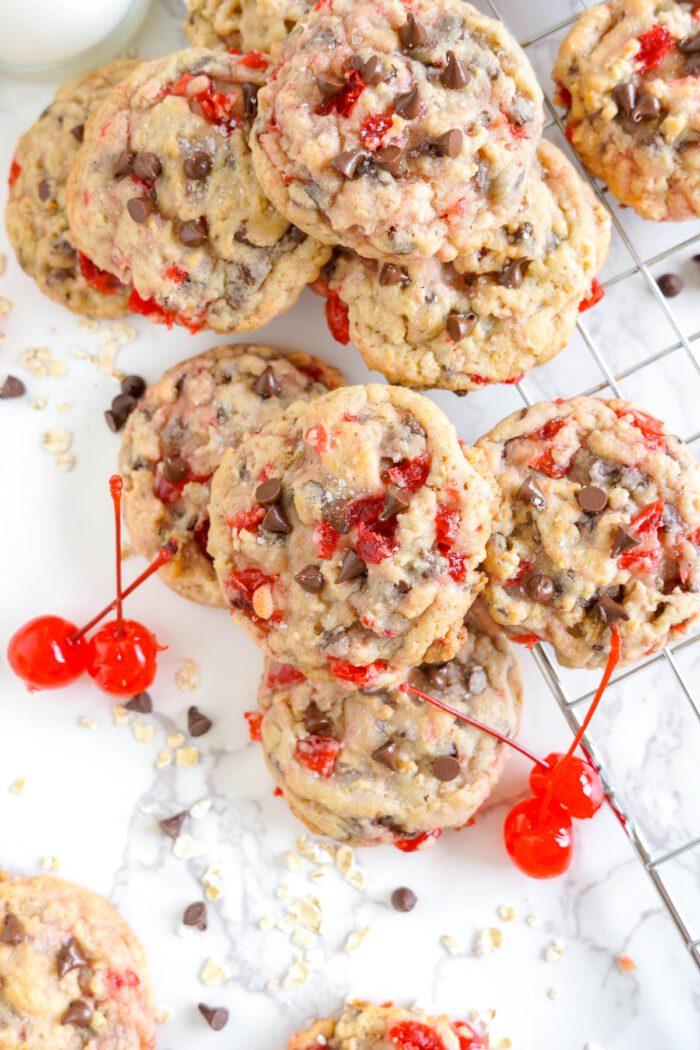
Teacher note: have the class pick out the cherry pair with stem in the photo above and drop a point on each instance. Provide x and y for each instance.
(538, 832)
(49, 651)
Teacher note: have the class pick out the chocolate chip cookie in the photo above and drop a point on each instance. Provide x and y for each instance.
(175, 438)
(249, 25)
(599, 526)
(397, 132)
(347, 533)
(365, 1026)
(164, 195)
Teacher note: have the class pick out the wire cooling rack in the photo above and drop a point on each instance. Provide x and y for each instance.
(658, 863)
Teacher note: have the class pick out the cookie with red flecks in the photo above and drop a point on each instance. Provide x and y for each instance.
(249, 25)
(375, 767)
(347, 534)
(395, 131)
(629, 74)
(164, 196)
(367, 1026)
(36, 216)
(599, 525)
(72, 974)
(176, 436)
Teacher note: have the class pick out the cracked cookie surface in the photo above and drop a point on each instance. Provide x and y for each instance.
(249, 25)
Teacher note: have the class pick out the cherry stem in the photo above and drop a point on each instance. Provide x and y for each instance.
(166, 553)
(406, 688)
(115, 490)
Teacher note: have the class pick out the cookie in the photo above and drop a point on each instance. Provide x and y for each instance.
(174, 440)
(397, 133)
(366, 769)
(72, 974)
(599, 526)
(164, 195)
(629, 74)
(36, 218)
(249, 25)
(346, 535)
(365, 1026)
(492, 314)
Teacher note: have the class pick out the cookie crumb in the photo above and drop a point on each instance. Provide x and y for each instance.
(297, 974)
(49, 863)
(507, 912)
(534, 919)
(163, 759)
(39, 402)
(186, 756)
(65, 462)
(450, 944)
(187, 848)
(5, 306)
(200, 808)
(355, 939)
(175, 739)
(143, 731)
(554, 950)
(17, 786)
(214, 973)
(554, 992)
(87, 723)
(57, 440)
(187, 678)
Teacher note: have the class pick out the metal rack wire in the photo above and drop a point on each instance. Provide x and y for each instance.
(655, 864)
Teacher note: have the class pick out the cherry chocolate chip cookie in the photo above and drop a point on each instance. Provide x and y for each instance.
(366, 1026)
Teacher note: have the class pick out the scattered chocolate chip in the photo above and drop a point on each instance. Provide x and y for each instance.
(436, 674)
(268, 492)
(197, 723)
(389, 159)
(172, 826)
(454, 76)
(610, 611)
(412, 33)
(335, 514)
(403, 899)
(625, 96)
(540, 587)
(134, 386)
(78, 132)
(275, 521)
(459, 326)
(12, 931)
(12, 387)
(310, 579)
(450, 144)
(124, 164)
(647, 107)
(373, 71)
(446, 767)
(192, 233)
(146, 166)
(141, 703)
(196, 915)
(396, 501)
(351, 566)
(215, 1016)
(268, 385)
(689, 45)
(123, 405)
(477, 681)
(139, 208)
(175, 469)
(113, 422)
(70, 958)
(329, 84)
(197, 166)
(348, 162)
(390, 273)
(44, 190)
(511, 276)
(316, 722)
(592, 499)
(386, 755)
(623, 541)
(532, 492)
(78, 1013)
(408, 104)
(670, 285)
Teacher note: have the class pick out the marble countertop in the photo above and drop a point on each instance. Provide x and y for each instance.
(82, 792)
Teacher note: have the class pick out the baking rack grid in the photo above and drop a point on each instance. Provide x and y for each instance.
(655, 863)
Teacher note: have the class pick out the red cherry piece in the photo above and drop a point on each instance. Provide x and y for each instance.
(414, 1035)
(254, 720)
(411, 474)
(337, 319)
(595, 294)
(654, 45)
(373, 129)
(539, 839)
(419, 842)
(580, 789)
(345, 100)
(103, 281)
(45, 653)
(653, 430)
(279, 675)
(317, 753)
(122, 658)
(326, 539)
(468, 1038)
(357, 675)
(116, 982)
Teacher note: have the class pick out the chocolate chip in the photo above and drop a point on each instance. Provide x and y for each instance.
(412, 33)
(396, 501)
(477, 681)
(310, 579)
(78, 1013)
(134, 386)
(268, 492)
(44, 190)
(329, 84)
(250, 100)
(625, 96)
(70, 958)
(335, 513)
(610, 611)
(437, 674)
(689, 45)
(692, 68)
(403, 899)
(124, 164)
(386, 755)
(446, 767)
(123, 405)
(532, 492)
(390, 273)
(408, 104)
(141, 703)
(450, 144)
(316, 722)
(215, 1016)
(348, 162)
(78, 132)
(197, 166)
(115, 423)
(268, 385)
(139, 208)
(373, 71)
(275, 521)
(12, 387)
(511, 276)
(540, 587)
(592, 499)
(623, 541)
(351, 566)
(647, 108)
(12, 931)
(192, 233)
(172, 826)
(459, 326)
(196, 915)
(197, 723)
(454, 76)
(389, 159)
(146, 166)
(175, 469)
(670, 285)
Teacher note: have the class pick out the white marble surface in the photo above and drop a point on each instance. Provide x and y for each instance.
(92, 798)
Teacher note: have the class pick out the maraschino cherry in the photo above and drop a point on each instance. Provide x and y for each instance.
(47, 653)
(540, 844)
(580, 789)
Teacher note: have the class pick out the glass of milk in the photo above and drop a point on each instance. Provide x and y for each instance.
(46, 37)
